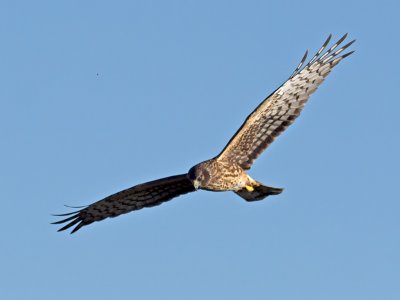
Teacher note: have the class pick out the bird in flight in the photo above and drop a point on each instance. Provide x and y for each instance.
(227, 171)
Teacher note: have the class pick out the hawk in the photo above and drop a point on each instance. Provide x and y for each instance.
(227, 171)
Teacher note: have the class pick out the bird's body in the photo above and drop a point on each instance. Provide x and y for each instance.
(228, 170)
(219, 175)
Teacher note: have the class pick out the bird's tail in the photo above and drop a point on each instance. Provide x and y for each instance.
(258, 192)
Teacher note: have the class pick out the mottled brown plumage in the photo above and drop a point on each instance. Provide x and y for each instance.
(227, 171)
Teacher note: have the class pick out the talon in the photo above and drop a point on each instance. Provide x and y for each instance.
(249, 188)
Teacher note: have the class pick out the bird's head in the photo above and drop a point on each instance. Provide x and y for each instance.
(199, 176)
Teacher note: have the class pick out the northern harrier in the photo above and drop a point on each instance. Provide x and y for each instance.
(227, 171)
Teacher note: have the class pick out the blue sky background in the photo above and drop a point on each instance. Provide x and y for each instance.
(97, 96)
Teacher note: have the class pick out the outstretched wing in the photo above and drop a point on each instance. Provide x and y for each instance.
(282, 107)
(143, 195)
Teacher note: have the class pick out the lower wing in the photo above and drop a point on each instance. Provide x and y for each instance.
(143, 195)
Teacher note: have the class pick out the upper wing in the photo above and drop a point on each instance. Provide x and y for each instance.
(282, 107)
(143, 195)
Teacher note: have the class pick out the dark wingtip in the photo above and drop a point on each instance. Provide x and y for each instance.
(69, 225)
(305, 55)
(343, 37)
(74, 218)
(348, 44)
(276, 191)
(298, 68)
(327, 40)
(77, 227)
(352, 42)
(66, 220)
(69, 206)
(303, 59)
(67, 214)
(347, 54)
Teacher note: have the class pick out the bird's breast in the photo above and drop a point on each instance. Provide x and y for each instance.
(224, 176)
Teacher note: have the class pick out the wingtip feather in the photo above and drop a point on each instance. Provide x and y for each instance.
(347, 54)
(69, 225)
(77, 227)
(67, 214)
(327, 40)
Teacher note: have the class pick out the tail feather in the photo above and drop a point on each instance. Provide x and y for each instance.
(260, 192)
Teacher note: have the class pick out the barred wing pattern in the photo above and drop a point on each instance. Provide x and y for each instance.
(282, 107)
(143, 195)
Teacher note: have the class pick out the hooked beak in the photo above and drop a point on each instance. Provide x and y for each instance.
(196, 184)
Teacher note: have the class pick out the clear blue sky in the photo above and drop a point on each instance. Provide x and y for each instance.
(97, 96)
